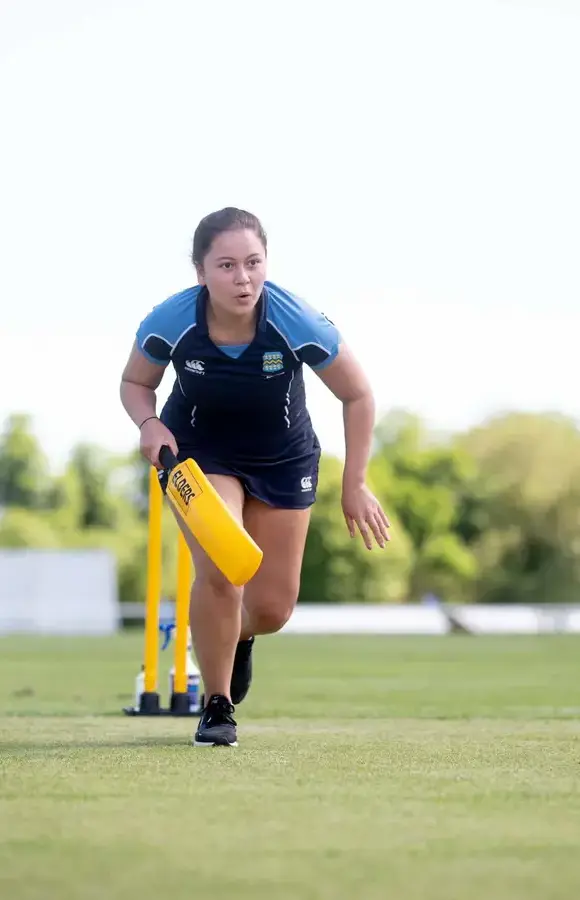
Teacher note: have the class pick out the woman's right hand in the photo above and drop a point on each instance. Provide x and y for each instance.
(154, 435)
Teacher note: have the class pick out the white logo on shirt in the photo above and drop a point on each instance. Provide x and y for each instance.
(306, 483)
(196, 366)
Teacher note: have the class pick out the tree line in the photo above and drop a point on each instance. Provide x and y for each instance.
(489, 515)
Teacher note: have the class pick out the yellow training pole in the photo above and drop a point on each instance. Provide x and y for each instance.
(184, 567)
(153, 599)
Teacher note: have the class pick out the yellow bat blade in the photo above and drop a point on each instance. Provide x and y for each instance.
(224, 539)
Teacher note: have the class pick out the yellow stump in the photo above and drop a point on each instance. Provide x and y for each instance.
(153, 598)
(184, 568)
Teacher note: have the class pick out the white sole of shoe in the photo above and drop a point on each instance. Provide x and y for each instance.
(212, 744)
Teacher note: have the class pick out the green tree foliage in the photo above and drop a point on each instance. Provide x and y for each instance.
(23, 467)
(429, 486)
(491, 515)
(26, 528)
(529, 486)
(66, 502)
(338, 568)
(99, 507)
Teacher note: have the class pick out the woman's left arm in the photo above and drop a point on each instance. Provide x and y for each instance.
(347, 381)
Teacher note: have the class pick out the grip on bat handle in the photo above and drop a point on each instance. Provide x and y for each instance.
(167, 458)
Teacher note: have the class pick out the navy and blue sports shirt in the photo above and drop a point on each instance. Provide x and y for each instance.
(242, 403)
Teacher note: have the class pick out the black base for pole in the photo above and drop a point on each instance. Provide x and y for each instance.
(150, 705)
(179, 705)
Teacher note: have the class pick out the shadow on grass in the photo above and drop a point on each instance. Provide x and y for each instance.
(67, 745)
(86, 714)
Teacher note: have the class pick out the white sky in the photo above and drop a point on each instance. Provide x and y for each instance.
(416, 166)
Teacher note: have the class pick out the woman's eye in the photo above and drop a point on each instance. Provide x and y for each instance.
(255, 262)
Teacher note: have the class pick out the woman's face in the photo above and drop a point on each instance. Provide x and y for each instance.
(234, 270)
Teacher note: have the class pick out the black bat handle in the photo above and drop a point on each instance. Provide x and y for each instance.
(167, 458)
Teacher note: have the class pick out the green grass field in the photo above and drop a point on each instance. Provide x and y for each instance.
(399, 768)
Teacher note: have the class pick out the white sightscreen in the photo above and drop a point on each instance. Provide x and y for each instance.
(58, 592)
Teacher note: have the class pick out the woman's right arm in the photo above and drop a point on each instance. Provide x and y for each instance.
(139, 381)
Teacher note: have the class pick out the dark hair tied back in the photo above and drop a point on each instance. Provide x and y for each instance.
(228, 219)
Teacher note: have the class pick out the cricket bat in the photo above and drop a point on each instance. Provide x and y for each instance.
(200, 507)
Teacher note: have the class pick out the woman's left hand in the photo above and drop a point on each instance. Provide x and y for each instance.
(361, 508)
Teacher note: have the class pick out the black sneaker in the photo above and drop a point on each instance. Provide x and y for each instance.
(217, 727)
(242, 671)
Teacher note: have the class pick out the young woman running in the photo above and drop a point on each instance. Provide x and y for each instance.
(238, 343)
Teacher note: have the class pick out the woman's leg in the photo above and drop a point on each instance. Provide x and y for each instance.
(216, 605)
(270, 597)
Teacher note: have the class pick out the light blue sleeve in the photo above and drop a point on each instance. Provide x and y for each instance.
(311, 336)
(162, 329)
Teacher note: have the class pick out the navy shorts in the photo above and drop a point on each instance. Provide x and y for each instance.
(287, 484)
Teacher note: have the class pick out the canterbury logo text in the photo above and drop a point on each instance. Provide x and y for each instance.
(197, 366)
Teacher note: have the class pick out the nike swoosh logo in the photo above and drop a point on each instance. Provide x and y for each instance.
(275, 375)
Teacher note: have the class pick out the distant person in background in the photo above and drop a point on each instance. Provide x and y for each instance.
(238, 343)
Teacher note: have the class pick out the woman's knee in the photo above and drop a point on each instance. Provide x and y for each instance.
(269, 611)
(214, 587)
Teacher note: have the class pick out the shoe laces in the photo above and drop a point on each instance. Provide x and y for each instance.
(219, 711)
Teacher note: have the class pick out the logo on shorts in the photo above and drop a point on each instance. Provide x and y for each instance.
(196, 366)
(306, 483)
(272, 362)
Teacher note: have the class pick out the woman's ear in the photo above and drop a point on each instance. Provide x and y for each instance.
(200, 275)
